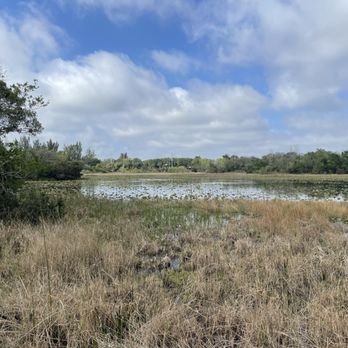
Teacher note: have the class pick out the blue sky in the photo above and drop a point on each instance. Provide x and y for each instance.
(184, 77)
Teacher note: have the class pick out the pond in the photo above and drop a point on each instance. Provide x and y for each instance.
(179, 188)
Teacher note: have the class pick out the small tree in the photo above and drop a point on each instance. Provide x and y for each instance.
(90, 159)
(73, 152)
(18, 114)
(52, 145)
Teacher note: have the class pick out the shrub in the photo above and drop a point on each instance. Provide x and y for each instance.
(8, 202)
(10, 177)
(34, 205)
(60, 170)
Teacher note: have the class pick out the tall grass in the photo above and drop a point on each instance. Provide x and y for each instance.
(177, 274)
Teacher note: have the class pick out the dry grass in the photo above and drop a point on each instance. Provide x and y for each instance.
(260, 274)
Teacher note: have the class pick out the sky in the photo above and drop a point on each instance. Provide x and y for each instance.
(157, 78)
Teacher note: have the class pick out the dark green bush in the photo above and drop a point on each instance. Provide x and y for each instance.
(30, 206)
(11, 169)
(35, 205)
(8, 202)
(60, 170)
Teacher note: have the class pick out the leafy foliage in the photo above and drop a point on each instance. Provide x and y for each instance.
(316, 162)
(60, 169)
(18, 108)
(18, 114)
(45, 161)
(73, 152)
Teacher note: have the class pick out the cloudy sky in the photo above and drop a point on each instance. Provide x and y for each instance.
(184, 77)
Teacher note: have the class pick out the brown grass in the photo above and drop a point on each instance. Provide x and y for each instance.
(270, 274)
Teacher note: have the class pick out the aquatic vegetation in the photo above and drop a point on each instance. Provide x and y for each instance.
(183, 187)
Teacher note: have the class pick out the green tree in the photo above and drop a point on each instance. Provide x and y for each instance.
(52, 145)
(344, 162)
(73, 152)
(18, 114)
(90, 159)
(18, 108)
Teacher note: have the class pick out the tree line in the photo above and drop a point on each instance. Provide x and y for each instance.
(44, 160)
(315, 162)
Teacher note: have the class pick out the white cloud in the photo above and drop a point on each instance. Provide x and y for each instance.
(108, 102)
(301, 44)
(14, 55)
(174, 61)
(101, 82)
(318, 130)
(125, 10)
(132, 107)
(27, 43)
(113, 105)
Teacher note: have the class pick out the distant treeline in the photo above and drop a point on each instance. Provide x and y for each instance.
(317, 162)
(44, 160)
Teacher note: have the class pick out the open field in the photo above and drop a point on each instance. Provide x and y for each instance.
(177, 274)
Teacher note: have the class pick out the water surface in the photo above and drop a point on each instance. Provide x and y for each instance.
(210, 188)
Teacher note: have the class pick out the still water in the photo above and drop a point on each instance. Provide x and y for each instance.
(171, 188)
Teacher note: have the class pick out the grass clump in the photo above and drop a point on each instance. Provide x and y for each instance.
(175, 278)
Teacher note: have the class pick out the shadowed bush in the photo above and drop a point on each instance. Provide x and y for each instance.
(59, 170)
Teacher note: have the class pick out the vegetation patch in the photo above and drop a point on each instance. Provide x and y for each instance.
(274, 277)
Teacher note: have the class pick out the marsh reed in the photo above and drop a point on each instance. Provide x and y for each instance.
(246, 274)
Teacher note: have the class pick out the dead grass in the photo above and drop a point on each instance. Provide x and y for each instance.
(271, 274)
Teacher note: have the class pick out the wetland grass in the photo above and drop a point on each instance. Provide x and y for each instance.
(167, 274)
